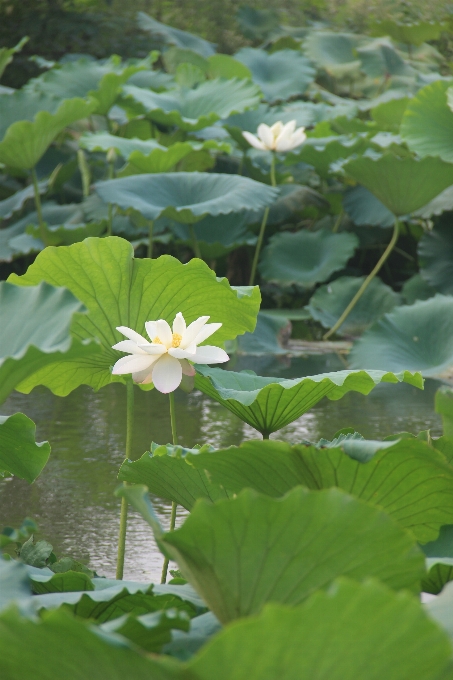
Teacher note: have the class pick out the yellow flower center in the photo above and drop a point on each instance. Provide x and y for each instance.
(157, 341)
(176, 340)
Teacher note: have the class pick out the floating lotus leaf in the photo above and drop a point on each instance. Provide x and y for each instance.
(329, 302)
(20, 455)
(167, 475)
(173, 36)
(402, 184)
(186, 196)
(410, 33)
(305, 258)
(36, 325)
(101, 80)
(119, 290)
(25, 142)
(302, 542)
(268, 404)
(435, 253)
(401, 642)
(365, 209)
(427, 124)
(418, 337)
(196, 108)
(409, 479)
(280, 75)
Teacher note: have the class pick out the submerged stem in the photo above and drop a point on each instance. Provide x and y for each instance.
(173, 505)
(123, 515)
(259, 243)
(42, 228)
(150, 238)
(366, 283)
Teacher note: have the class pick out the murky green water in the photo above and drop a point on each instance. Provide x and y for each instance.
(73, 502)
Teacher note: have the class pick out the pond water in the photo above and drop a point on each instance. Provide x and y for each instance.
(73, 502)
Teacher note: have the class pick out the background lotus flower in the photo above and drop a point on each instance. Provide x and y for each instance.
(278, 137)
(164, 360)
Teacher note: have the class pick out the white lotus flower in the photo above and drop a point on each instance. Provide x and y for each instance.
(163, 360)
(278, 137)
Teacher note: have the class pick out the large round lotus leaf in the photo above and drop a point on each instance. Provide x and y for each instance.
(327, 48)
(186, 196)
(416, 288)
(411, 34)
(427, 124)
(224, 66)
(102, 80)
(351, 631)
(306, 257)
(15, 202)
(442, 203)
(218, 235)
(322, 152)
(119, 290)
(417, 338)
(388, 115)
(380, 59)
(36, 328)
(268, 404)
(302, 542)
(407, 478)
(435, 255)
(280, 75)
(103, 141)
(20, 455)
(173, 36)
(365, 209)
(25, 142)
(196, 108)
(257, 24)
(24, 105)
(402, 184)
(329, 302)
(175, 56)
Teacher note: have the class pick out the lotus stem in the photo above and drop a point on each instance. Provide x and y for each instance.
(366, 283)
(173, 505)
(110, 220)
(42, 228)
(123, 515)
(150, 238)
(195, 244)
(336, 226)
(262, 229)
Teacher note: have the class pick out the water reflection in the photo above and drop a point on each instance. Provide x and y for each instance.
(73, 500)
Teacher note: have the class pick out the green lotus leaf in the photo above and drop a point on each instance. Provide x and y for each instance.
(25, 142)
(321, 153)
(302, 542)
(305, 258)
(268, 337)
(392, 636)
(14, 582)
(15, 202)
(435, 253)
(63, 234)
(65, 582)
(379, 58)
(416, 288)
(103, 141)
(365, 209)
(173, 36)
(408, 479)
(411, 337)
(6, 55)
(442, 203)
(427, 124)
(12, 238)
(184, 645)
(175, 56)
(149, 631)
(268, 404)
(194, 109)
(84, 77)
(224, 66)
(36, 331)
(165, 159)
(327, 48)
(153, 80)
(20, 455)
(389, 115)
(218, 235)
(440, 572)
(402, 184)
(167, 475)
(257, 24)
(280, 75)
(329, 302)
(410, 33)
(119, 290)
(27, 648)
(24, 105)
(439, 609)
(186, 196)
